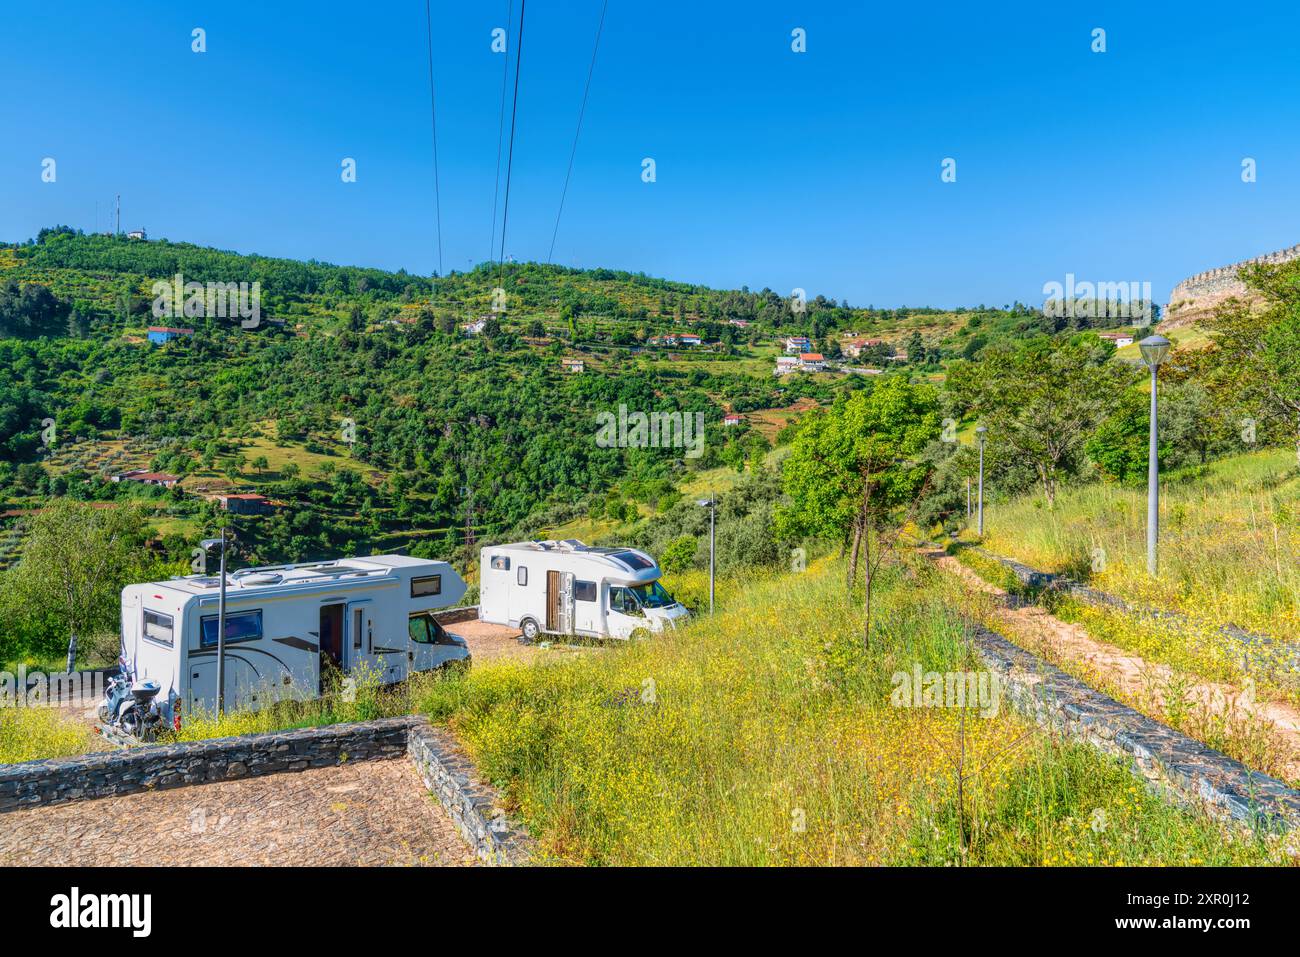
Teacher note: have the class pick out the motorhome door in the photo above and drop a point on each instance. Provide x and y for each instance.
(559, 602)
(360, 635)
(130, 633)
(332, 617)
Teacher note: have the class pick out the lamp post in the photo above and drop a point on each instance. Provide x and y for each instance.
(711, 502)
(208, 544)
(980, 433)
(1154, 349)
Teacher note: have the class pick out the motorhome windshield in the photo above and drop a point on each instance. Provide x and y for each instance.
(652, 596)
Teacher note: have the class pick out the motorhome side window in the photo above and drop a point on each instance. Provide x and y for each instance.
(420, 629)
(158, 628)
(241, 626)
(521, 574)
(420, 587)
(584, 591)
(501, 563)
(620, 599)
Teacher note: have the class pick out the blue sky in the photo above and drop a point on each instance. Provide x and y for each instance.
(818, 170)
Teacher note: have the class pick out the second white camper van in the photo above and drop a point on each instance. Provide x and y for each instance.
(283, 623)
(568, 588)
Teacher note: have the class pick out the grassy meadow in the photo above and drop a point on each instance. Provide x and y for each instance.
(1229, 541)
(31, 734)
(766, 735)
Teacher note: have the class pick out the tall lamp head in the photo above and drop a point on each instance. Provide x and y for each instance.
(980, 432)
(1154, 350)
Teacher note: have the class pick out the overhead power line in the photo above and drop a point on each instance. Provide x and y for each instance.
(514, 111)
(501, 128)
(591, 69)
(433, 123)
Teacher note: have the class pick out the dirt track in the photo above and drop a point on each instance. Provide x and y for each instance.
(1132, 676)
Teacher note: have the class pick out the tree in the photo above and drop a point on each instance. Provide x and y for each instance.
(31, 310)
(1188, 432)
(1254, 362)
(261, 463)
(915, 349)
(1041, 400)
(851, 468)
(74, 565)
(679, 555)
(1119, 445)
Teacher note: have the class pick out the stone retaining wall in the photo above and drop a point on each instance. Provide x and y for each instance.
(1258, 653)
(1184, 769)
(56, 780)
(472, 804)
(448, 773)
(453, 615)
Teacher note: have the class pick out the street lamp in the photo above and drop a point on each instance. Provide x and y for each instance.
(208, 544)
(980, 432)
(711, 502)
(1154, 349)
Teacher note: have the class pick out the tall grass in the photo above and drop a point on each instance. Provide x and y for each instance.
(29, 734)
(1194, 653)
(766, 736)
(358, 696)
(1229, 540)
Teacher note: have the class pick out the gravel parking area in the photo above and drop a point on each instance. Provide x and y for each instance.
(495, 642)
(368, 813)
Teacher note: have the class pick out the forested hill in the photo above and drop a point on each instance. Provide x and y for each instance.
(363, 409)
(114, 275)
(373, 418)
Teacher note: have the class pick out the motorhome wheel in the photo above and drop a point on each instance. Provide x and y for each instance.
(530, 630)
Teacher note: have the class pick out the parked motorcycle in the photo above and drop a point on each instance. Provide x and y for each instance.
(131, 706)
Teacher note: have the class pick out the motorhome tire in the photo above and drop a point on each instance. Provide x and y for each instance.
(529, 631)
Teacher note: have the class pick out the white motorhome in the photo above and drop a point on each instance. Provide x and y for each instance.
(568, 588)
(283, 622)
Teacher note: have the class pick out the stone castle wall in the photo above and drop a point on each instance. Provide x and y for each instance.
(1196, 296)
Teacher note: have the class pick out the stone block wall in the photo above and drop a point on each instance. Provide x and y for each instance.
(474, 805)
(151, 767)
(1189, 772)
(453, 615)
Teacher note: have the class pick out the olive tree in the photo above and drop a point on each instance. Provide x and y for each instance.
(74, 564)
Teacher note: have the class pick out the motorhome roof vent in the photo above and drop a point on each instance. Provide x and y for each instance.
(211, 581)
(260, 578)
